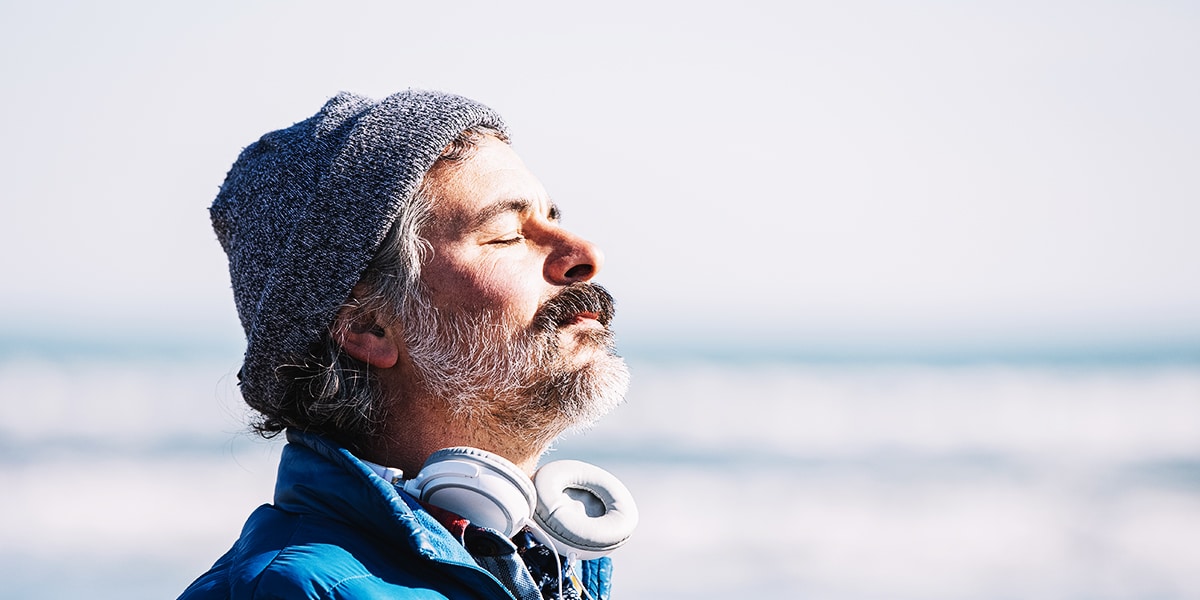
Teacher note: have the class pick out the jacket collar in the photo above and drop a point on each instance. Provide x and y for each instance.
(316, 475)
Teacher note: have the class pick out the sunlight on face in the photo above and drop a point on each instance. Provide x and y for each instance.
(505, 325)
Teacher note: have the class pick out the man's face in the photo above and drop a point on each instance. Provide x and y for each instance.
(506, 323)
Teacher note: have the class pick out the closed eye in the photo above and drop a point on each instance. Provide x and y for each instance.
(508, 241)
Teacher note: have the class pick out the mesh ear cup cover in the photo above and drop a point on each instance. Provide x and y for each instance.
(569, 495)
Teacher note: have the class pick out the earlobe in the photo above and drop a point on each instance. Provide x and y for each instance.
(372, 345)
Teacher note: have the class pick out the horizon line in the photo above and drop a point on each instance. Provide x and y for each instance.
(1051, 350)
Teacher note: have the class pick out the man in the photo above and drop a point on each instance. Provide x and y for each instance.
(405, 286)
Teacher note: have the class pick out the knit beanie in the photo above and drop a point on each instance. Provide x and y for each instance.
(304, 209)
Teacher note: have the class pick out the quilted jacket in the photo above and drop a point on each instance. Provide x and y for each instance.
(338, 531)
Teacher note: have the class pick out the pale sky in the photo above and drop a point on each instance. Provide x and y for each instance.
(804, 174)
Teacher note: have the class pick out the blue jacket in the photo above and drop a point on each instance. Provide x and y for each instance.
(336, 530)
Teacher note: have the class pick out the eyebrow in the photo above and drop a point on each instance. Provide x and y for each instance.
(481, 218)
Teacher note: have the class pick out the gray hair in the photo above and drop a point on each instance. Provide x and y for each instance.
(329, 392)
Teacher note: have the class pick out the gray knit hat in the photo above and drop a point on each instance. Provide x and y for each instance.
(304, 209)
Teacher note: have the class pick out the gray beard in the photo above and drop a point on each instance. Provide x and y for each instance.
(512, 379)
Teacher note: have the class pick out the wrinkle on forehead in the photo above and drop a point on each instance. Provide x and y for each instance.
(491, 182)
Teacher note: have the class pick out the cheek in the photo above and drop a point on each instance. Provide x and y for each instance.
(487, 287)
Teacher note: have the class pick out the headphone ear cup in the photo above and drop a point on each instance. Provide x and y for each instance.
(586, 510)
(482, 487)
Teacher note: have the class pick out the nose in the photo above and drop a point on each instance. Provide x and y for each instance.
(573, 260)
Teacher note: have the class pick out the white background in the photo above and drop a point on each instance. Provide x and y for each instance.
(809, 175)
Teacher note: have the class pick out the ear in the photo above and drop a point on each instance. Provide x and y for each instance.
(371, 344)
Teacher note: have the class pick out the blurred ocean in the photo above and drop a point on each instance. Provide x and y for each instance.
(127, 477)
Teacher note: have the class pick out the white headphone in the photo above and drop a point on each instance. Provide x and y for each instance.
(577, 508)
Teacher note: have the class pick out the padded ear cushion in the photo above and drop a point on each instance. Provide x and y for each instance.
(584, 508)
(485, 488)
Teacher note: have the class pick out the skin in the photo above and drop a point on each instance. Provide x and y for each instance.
(497, 246)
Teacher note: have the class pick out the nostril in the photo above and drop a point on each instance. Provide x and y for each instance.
(580, 272)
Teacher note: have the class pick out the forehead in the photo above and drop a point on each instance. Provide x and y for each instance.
(493, 173)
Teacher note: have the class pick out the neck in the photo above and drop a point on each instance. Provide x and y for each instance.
(419, 425)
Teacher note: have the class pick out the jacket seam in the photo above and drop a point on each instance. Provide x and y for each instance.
(267, 567)
(328, 594)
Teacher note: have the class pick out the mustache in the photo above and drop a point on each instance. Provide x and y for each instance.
(572, 300)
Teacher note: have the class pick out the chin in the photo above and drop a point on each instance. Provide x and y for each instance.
(593, 390)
